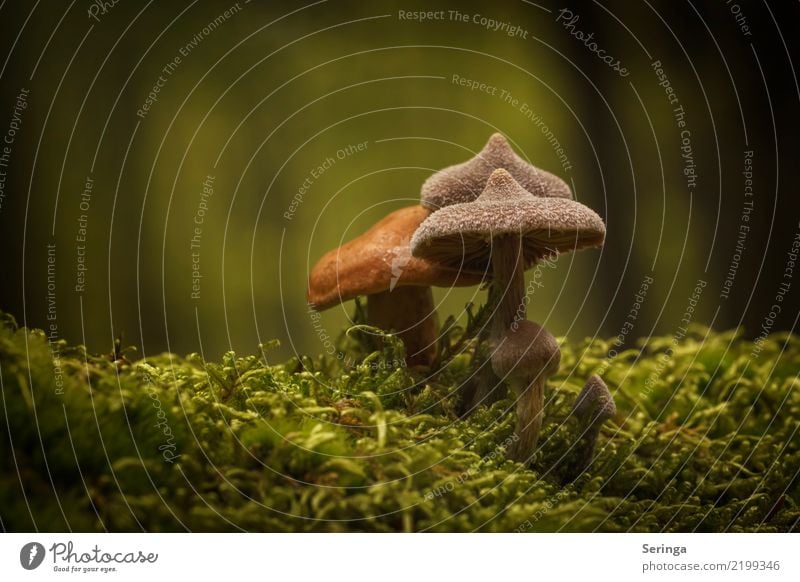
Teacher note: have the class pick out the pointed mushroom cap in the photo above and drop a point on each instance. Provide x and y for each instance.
(379, 260)
(464, 182)
(460, 234)
(527, 350)
(595, 402)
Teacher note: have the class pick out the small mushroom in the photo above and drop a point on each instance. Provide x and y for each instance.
(512, 229)
(379, 264)
(464, 182)
(527, 356)
(594, 406)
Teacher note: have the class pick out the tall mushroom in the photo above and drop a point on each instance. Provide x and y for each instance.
(512, 229)
(465, 181)
(379, 264)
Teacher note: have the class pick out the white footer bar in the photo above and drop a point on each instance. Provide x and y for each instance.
(390, 557)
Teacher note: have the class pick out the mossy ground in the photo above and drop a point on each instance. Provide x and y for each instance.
(706, 439)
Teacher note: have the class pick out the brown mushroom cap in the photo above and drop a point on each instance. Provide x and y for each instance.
(464, 182)
(526, 350)
(461, 234)
(380, 260)
(594, 404)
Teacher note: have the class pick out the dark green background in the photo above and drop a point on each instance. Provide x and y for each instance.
(281, 88)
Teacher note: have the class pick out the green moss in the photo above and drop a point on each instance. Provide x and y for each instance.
(706, 439)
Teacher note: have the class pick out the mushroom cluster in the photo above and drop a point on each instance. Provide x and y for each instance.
(378, 264)
(488, 219)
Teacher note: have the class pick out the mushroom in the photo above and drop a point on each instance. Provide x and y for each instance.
(464, 182)
(512, 229)
(594, 406)
(527, 356)
(379, 264)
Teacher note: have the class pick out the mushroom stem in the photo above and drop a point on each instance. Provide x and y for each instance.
(509, 278)
(530, 404)
(409, 312)
(506, 293)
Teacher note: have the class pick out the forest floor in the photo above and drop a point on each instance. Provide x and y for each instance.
(705, 439)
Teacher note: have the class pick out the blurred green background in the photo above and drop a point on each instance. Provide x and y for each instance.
(264, 95)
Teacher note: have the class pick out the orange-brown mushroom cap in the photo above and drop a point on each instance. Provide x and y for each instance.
(380, 260)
